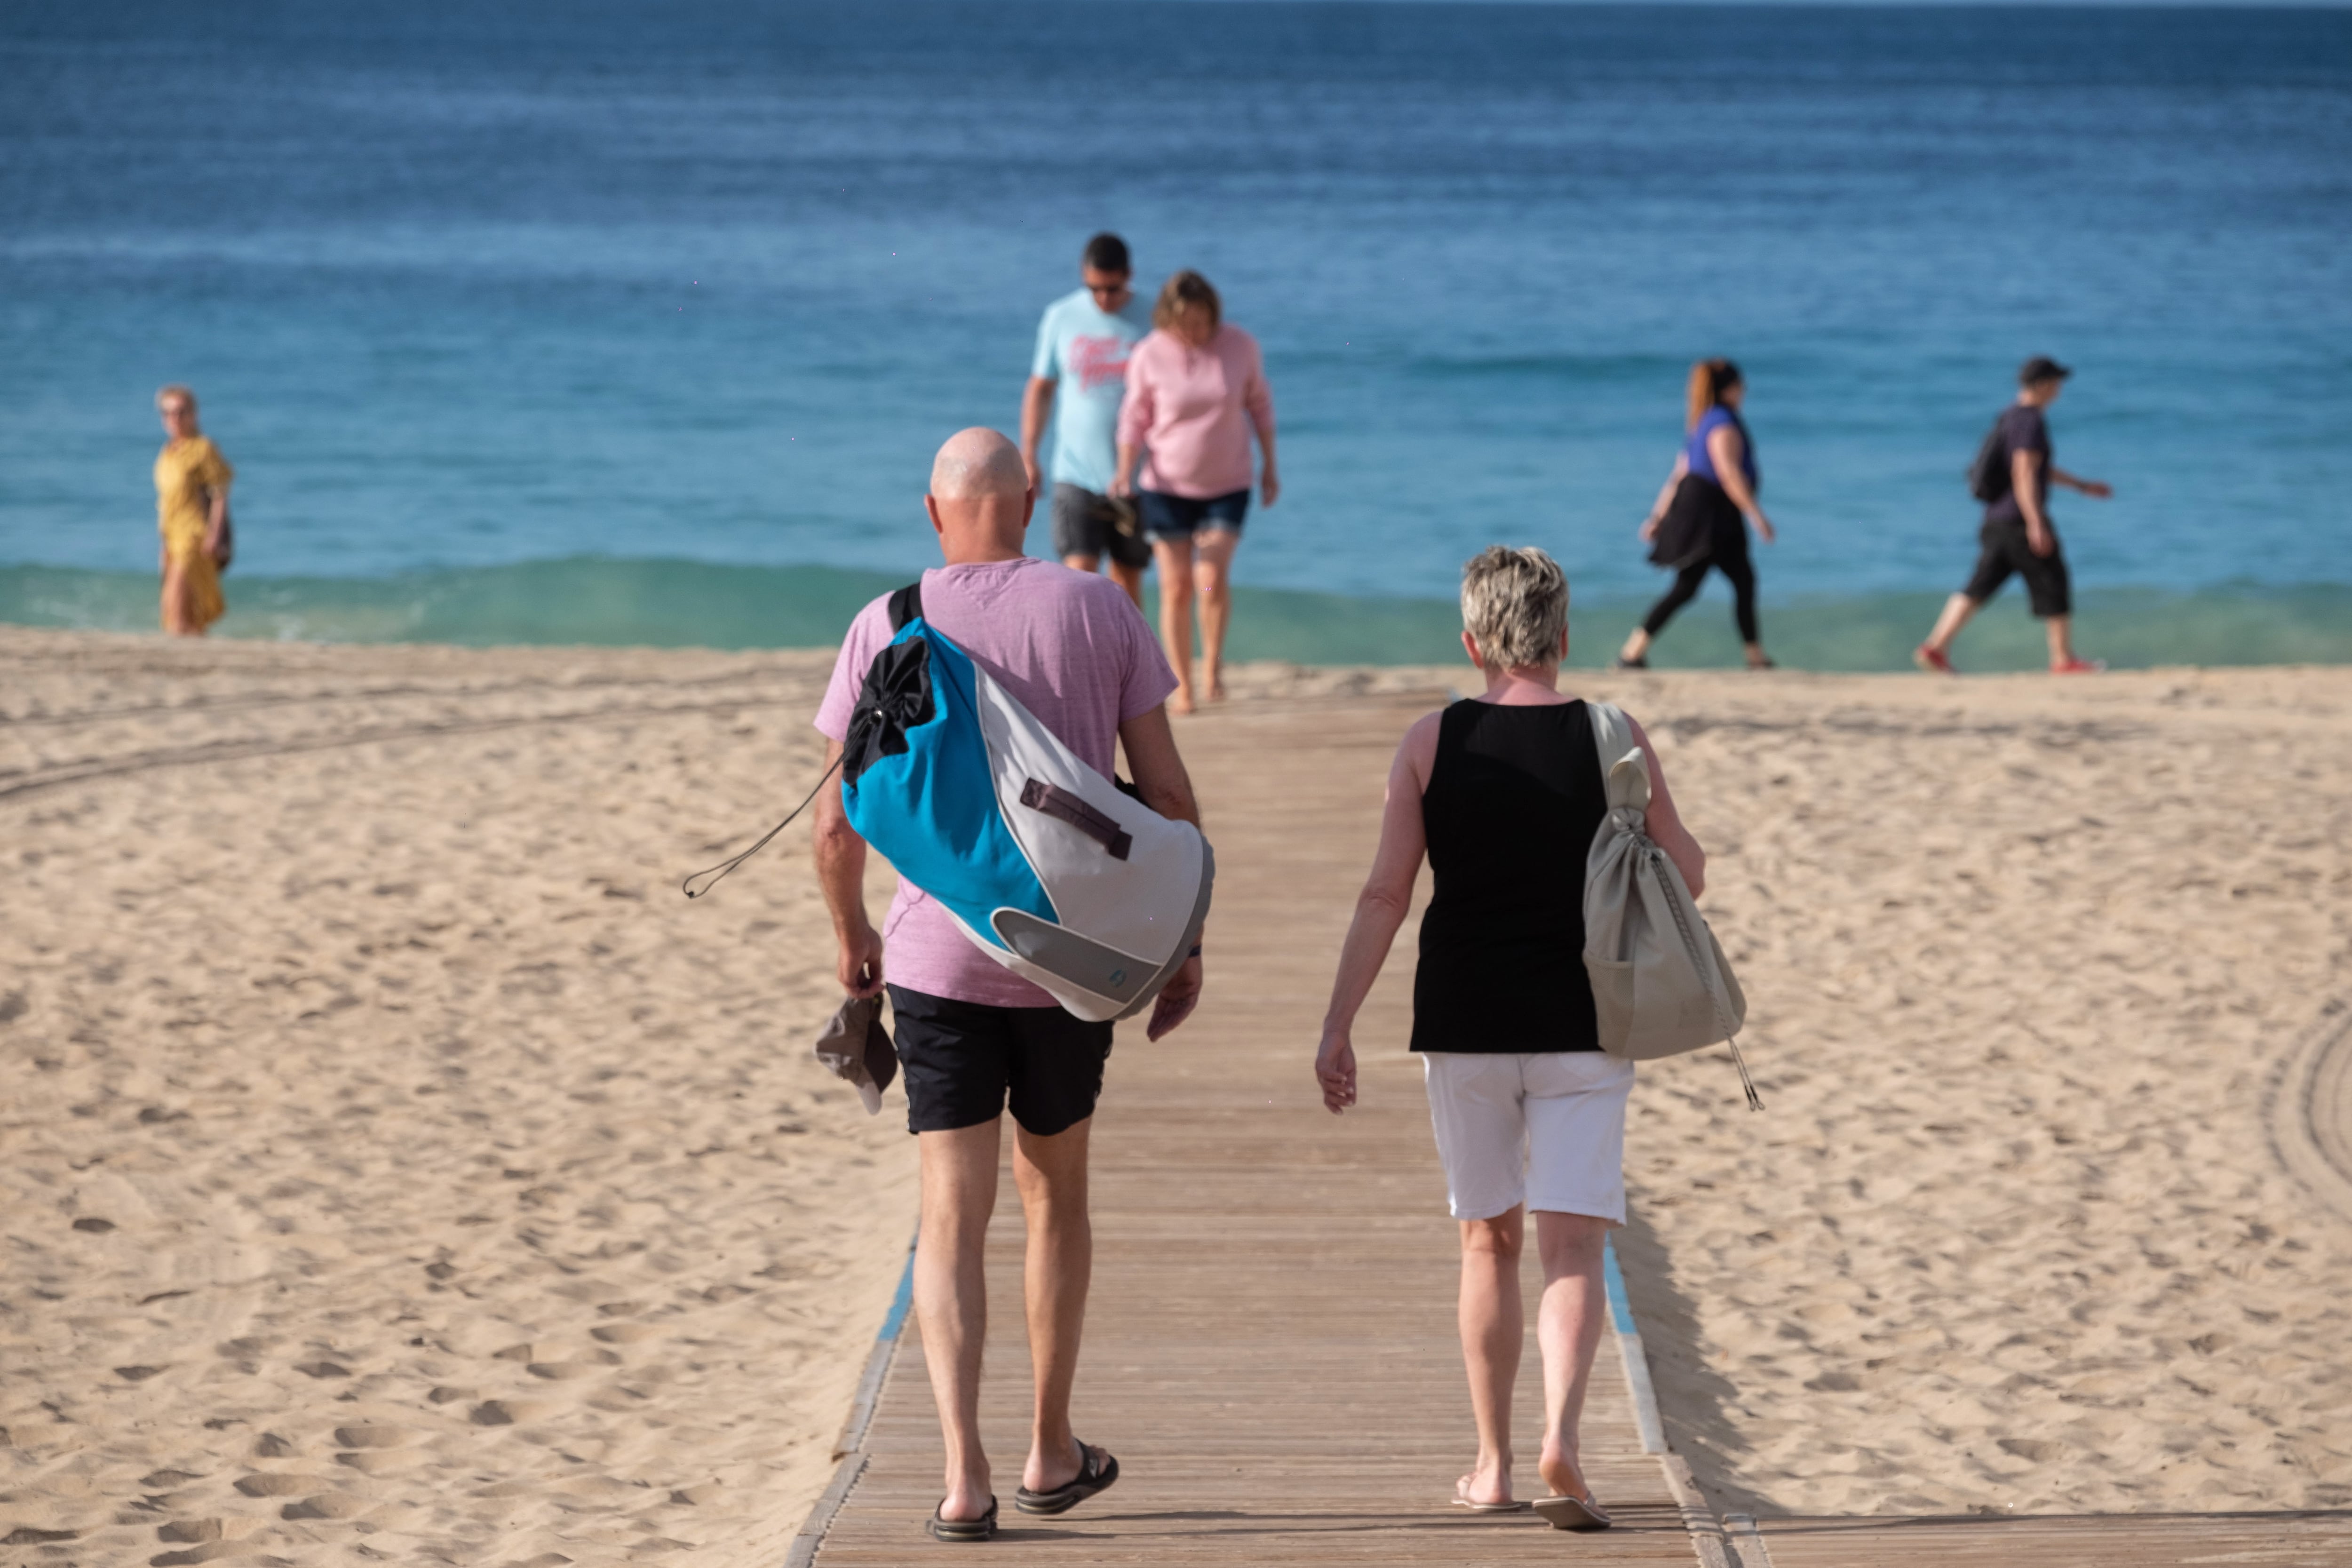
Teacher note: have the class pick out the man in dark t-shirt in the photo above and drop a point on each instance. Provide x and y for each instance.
(2017, 536)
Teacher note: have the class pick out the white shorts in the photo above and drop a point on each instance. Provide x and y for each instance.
(1546, 1129)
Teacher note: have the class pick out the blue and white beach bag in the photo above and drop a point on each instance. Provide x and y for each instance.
(1052, 869)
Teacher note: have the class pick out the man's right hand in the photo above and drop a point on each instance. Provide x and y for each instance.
(860, 969)
(1177, 999)
(2041, 540)
(1037, 473)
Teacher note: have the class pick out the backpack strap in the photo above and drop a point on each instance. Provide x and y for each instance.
(907, 604)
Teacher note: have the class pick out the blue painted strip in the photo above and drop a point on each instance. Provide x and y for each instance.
(896, 1317)
(1621, 1306)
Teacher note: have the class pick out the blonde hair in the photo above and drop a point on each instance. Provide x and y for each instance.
(1514, 605)
(1187, 290)
(175, 393)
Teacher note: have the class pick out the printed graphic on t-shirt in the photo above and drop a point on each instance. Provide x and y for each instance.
(1097, 362)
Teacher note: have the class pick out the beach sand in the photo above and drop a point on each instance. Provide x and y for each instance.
(395, 1166)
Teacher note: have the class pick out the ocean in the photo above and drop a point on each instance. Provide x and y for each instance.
(593, 322)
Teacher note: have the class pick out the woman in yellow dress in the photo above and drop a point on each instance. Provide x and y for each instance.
(191, 480)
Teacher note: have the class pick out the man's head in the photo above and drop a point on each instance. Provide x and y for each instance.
(1105, 270)
(979, 499)
(2040, 379)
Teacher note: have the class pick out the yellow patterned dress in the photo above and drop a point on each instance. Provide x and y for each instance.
(187, 475)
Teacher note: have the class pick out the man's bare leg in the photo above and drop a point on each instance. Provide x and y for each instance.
(1213, 575)
(1129, 578)
(1493, 1325)
(1052, 1175)
(1078, 563)
(1568, 1329)
(2060, 629)
(951, 1298)
(1175, 560)
(1957, 609)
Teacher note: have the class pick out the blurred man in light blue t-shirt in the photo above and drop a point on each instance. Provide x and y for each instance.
(1083, 341)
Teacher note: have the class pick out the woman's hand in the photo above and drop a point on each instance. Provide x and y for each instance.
(1123, 487)
(1270, 486)
(1335, 1070)
(1650, 528)
(1764, 530)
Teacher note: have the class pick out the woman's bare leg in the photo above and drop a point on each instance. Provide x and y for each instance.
(1493, 1325)
(175, 600)
(1175, 559)
(1568, 1328)
(1213, 575)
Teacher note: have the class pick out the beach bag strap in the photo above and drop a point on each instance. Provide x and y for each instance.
(907, 604)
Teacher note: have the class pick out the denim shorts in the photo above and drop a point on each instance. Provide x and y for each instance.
(1178, 516)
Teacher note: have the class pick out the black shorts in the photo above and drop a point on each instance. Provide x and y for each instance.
(963, 1059)
(1169, 516)
(1085, 524)
(2004, 550)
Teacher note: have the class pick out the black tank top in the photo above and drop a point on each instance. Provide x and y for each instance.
(1511, 809)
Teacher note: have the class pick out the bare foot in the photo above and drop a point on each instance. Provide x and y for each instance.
(1560, 1473)
(1217, 686)
(1182, 702)
(1485, 1490)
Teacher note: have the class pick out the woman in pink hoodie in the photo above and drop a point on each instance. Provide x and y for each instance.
(1195, 389)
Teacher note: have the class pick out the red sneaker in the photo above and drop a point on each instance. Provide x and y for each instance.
(2079, 667)
(1932, 661)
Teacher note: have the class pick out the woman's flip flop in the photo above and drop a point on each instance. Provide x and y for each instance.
(1093, 1476)
(1573, 1513)
(980, 1529)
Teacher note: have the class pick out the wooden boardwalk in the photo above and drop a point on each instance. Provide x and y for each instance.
(1270, 1344)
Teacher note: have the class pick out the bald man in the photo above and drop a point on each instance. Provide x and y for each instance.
(972, 1035)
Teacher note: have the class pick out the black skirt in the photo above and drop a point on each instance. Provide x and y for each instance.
(1701, 522)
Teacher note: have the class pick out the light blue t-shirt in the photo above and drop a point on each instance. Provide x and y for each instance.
(1085, 351)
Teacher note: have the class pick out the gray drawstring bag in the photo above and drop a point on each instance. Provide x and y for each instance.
(1661, 986)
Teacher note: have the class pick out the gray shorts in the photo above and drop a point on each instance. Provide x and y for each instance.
(1085, 524)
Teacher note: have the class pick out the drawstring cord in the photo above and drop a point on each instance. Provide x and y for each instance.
(719, 871)
(1706, 971)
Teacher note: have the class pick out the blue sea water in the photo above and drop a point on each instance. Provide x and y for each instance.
(474, 288)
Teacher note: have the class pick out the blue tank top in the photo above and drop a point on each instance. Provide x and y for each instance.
(1701, 461)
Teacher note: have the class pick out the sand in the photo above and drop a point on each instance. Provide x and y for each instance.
(393, 1165)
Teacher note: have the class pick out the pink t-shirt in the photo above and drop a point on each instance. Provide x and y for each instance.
(1073, 649)
(1193, 409)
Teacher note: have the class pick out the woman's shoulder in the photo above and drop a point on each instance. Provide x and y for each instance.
(1237, 339)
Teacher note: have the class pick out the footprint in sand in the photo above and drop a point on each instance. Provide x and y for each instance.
(267, 1485)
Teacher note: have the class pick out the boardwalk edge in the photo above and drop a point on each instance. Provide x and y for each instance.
(1709, 1542)
(849, 1448)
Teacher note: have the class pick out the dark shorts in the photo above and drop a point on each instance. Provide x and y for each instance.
(1085, 524)
(2004, 550)
(964, 1060)
(1176, 517)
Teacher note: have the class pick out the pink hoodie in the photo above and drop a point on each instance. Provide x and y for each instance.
(1193, 409)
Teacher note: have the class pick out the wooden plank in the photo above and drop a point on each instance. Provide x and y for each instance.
(1270, 1344)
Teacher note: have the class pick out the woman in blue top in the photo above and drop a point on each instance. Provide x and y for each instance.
(1696, 522)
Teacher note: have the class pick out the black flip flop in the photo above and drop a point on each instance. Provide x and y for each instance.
(1091, 1478)
(980, 1529)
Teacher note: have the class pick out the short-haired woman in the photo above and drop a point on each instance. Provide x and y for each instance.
(1504, 793)
(191, 480)
(1195, 389)
(1697, 522)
